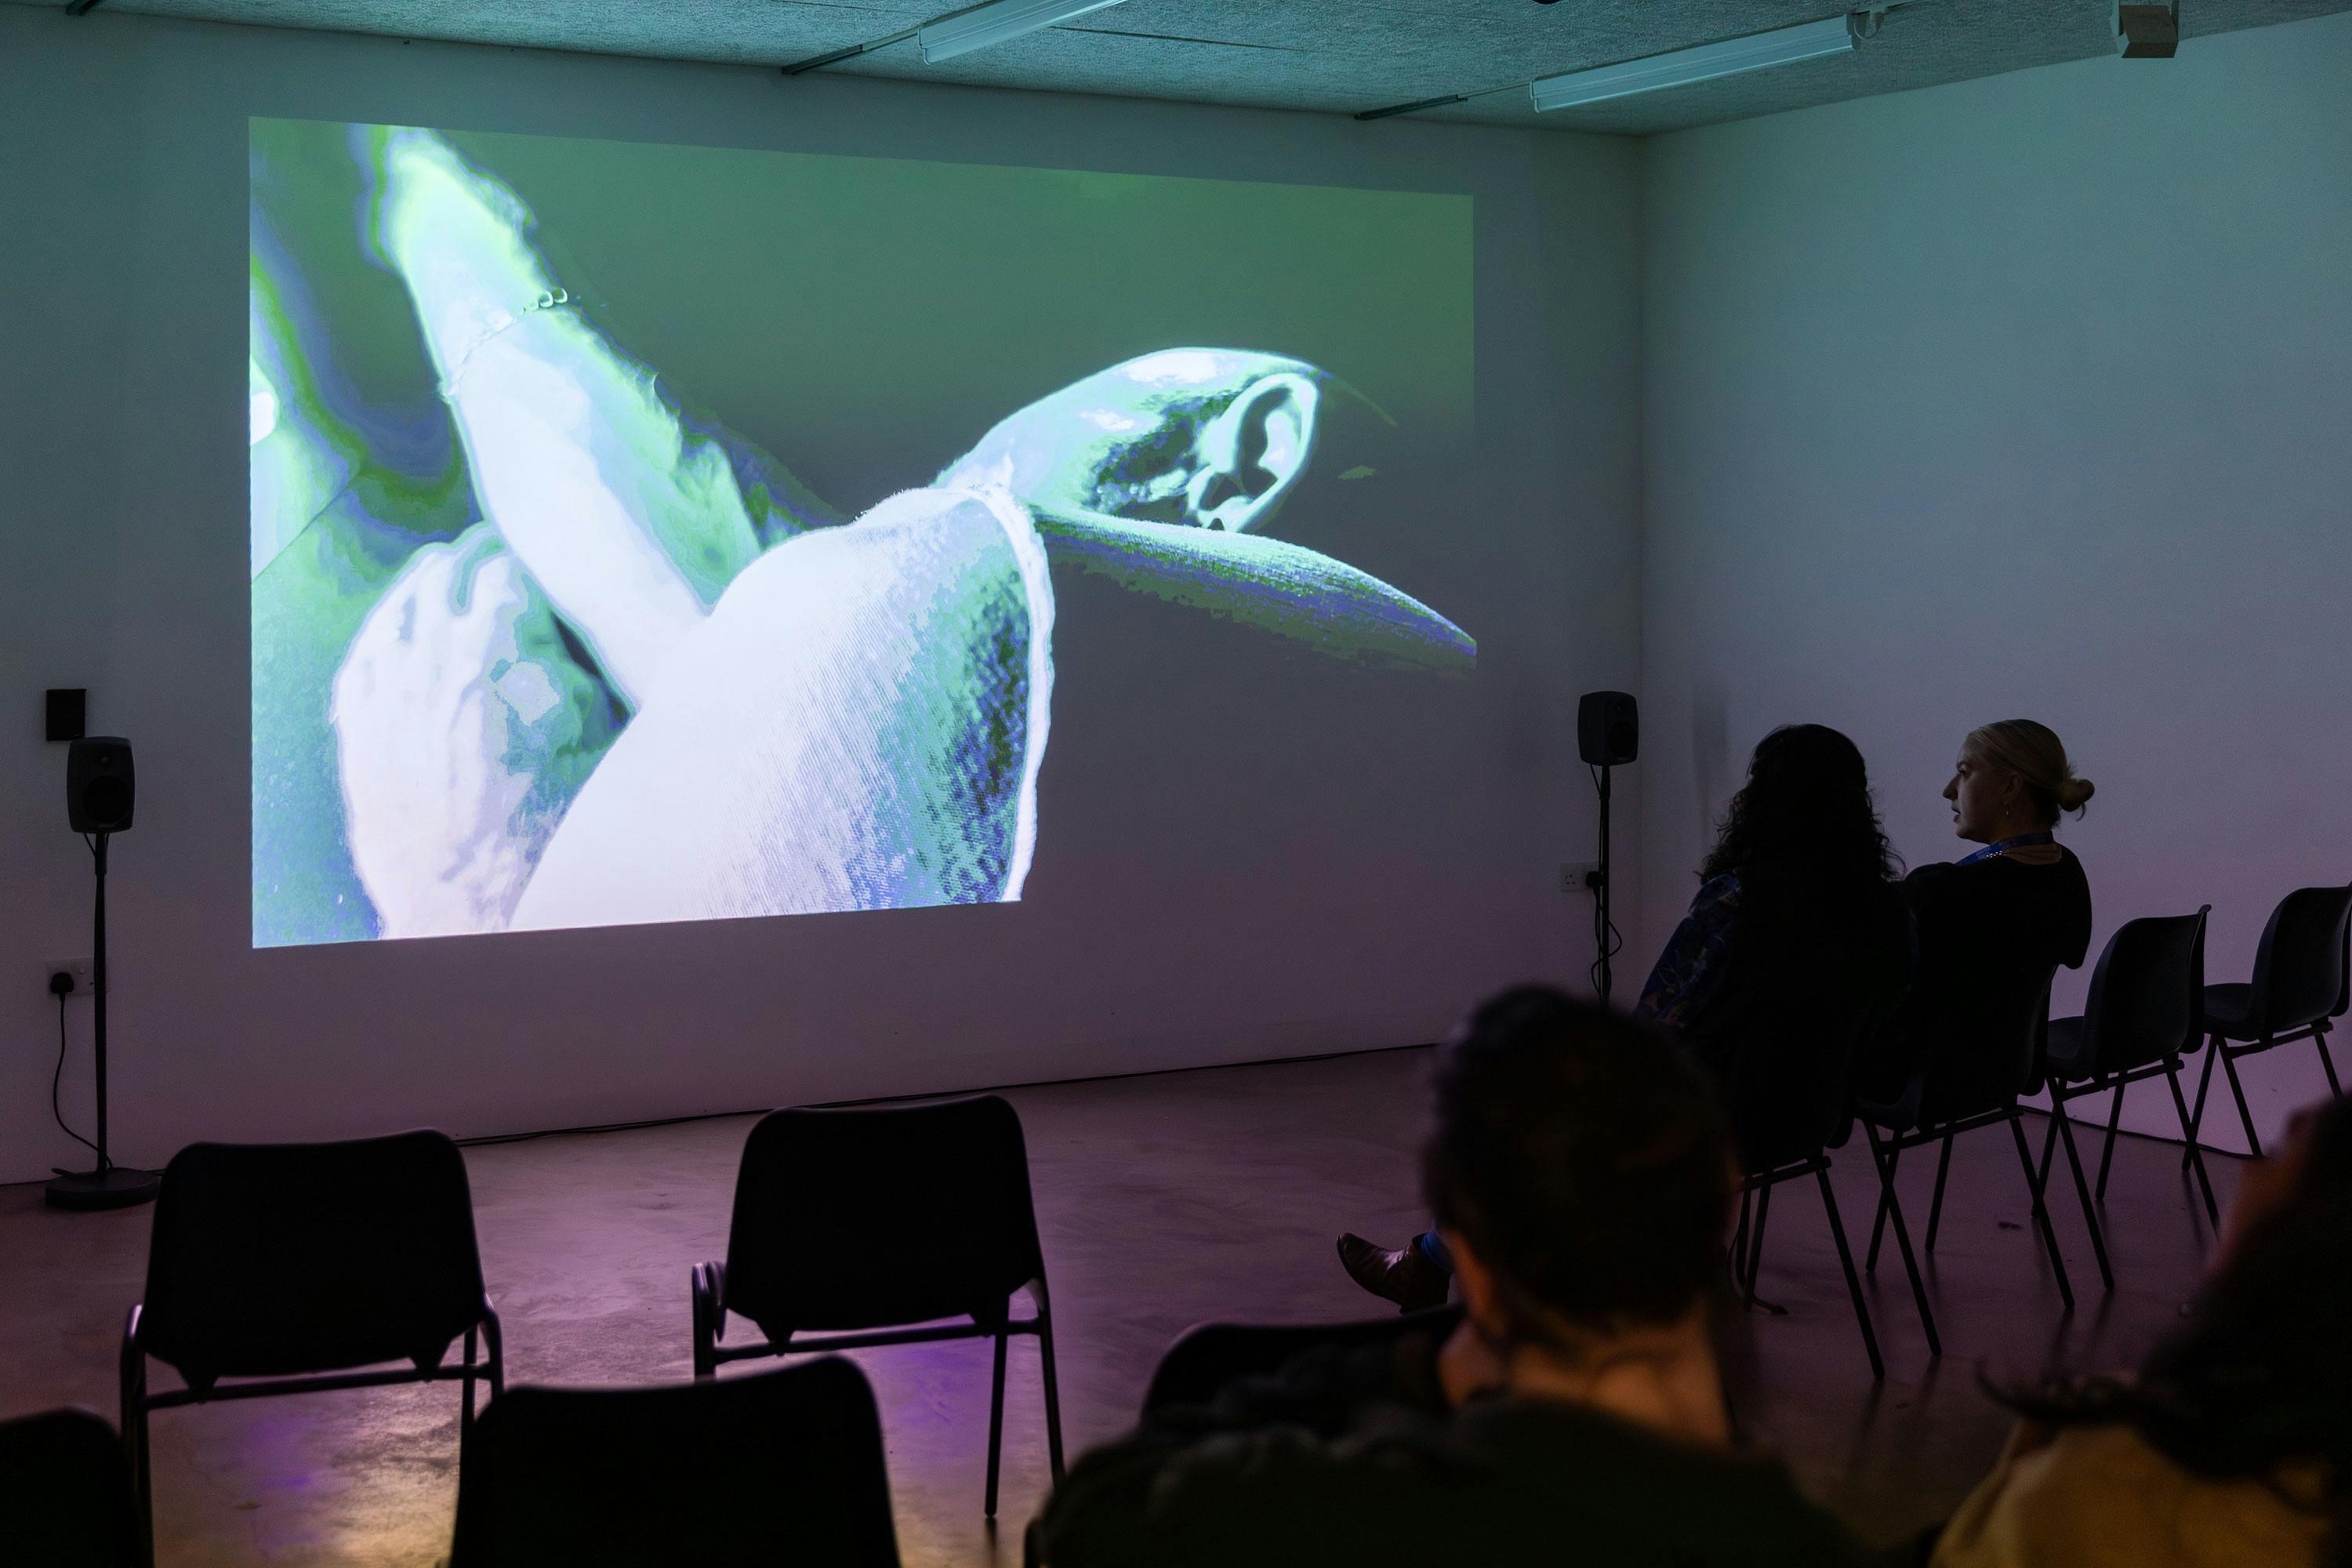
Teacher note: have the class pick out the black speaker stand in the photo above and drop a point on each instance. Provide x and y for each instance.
(110, 1187)
(1601, 891)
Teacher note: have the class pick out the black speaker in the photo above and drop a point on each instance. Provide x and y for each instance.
(1608, 728)
(97, 784)
(2149, 32)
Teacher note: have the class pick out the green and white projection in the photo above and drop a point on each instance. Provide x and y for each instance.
(659, 533)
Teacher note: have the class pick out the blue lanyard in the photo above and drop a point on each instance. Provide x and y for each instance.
(2006, 845)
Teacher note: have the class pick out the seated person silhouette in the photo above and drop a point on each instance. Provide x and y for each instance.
(1796, 918)
(2013, 910)
(1582, 1174)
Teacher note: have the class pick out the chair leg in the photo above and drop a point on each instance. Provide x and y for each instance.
(2327, 1062)
(1892, 1206)
(701, 1302)
(1935, 1205)
(1053, 1383)
(996, 1423)
(2204, 1083)
(133, 1372)
(1886, 1199)
(142, 1487)
(2082, 1191)
(466, 1406)
(1756, 1244)
(494, 1350)
(2196, 1155)
(2115, 1120)
(1853, 1281)
(2041, 1213)
(2245, 1115)
(1740, 1241)
(1053, 1407)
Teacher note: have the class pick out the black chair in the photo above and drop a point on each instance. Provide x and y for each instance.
(2302, 985)
(65, 1493)
(1791, 1095)
(290, 1266)
(1208, 1356)
(1973, 1057)
(2145, 1011)
(872, 1220)
(782, 1466)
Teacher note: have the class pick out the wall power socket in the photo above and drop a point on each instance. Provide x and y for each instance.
(77, 967)
(1579, 876)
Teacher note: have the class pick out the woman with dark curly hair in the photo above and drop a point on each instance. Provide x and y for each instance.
(1796, 904)
(1800, 883)
(2232, 1444)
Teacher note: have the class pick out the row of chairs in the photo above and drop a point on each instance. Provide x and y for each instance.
(288, 1268)
(2148, 1007)
(782, 1466)
(785, 1465)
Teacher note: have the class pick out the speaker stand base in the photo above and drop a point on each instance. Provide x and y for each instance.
(112, 1188)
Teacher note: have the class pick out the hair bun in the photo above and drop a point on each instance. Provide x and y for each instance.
(2074, 793)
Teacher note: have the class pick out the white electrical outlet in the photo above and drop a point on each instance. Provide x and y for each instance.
(1579, 876)
(77, 967)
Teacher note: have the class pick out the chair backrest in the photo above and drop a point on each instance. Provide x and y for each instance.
(65, 1493)
(1983, 1047)
(2300, 975)
(1790, 1087)
(782, 1466)
(270, 1260)
(870, 1217)
(1208, 1356)
(1804, 992)
(2146, 1000)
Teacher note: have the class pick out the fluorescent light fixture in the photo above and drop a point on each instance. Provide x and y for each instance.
(994, 23)
(1780, 47)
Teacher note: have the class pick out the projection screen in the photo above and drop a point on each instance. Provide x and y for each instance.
(645, 532)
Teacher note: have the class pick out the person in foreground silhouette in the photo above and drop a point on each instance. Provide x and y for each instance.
(1796, 902)
(2232, 1444)
(1581, 1173)
(2020, 902)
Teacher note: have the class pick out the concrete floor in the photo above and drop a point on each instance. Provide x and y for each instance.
(1163, 1201)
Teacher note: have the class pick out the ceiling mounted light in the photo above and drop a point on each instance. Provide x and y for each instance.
(1780, 47)
(994, 23)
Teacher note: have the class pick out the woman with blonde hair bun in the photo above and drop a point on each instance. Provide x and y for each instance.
(2012, 782)
(2019, 904)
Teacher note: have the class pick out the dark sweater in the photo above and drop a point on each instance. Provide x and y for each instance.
(1985, 932)
(1356, 1458)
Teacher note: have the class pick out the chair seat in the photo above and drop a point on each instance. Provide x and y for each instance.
(2229, 1012)
(2067, 1053)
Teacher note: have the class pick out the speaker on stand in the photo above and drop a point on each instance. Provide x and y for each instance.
(99, 796)
(1608, 735)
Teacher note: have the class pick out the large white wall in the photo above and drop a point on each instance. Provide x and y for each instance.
(123, 270)
(2024, 396)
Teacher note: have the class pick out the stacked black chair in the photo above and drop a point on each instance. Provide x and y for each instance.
(782, 1466)
(1970, 1064)
(2145, 1011)
(1208, 1356)
(289, 1267)
(65, 1493)
(1791, 1095)
(861, 1222)
(2302, 985)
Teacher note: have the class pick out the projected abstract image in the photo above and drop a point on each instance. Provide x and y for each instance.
(657, 533)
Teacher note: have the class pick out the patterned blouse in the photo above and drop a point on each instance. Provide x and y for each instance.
(1690, 971)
